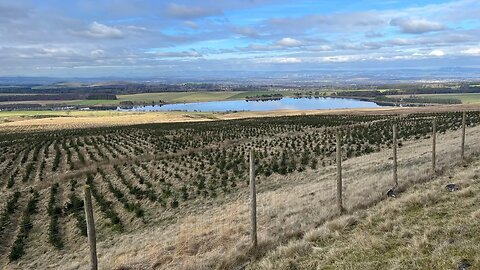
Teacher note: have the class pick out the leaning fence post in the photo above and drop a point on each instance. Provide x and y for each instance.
(91, 228)
(395, 175)
(463, 135)
(339, 173)
(434, 142)
(253, 199)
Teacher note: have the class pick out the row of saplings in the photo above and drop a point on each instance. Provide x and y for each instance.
(202, 134)
(26, 225)
(73, 206)
(372, 133)
(287, 163)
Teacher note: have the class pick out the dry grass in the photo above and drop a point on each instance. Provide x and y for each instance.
(91, 119)
(18, 121)
(427, 227)
(296, 212)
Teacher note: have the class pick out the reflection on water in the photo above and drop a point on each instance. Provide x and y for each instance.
(269, 105)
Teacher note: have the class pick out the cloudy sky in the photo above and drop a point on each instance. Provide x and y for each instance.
(157, 38)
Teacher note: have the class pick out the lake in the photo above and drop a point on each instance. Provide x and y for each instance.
(269, 105)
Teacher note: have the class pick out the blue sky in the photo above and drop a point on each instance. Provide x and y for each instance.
(90, 38)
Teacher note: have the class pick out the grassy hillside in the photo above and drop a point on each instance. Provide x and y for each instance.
(426, 227)
(290, 208)
(175, 196)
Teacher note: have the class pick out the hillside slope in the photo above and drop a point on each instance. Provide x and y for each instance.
(211, 231)
(289, 207)
(427, 227)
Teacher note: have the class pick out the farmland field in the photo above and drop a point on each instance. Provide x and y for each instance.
(465, 98)
(179, 97)
(151, 175)
(65, 119)
(168, 97)
(49, 101)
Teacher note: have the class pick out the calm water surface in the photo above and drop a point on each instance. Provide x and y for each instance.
(243, 105)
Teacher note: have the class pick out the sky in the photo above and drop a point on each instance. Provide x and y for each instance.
(141, 38)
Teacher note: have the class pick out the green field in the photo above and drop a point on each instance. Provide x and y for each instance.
(9, 116)
(467, 98)
(168, 97)
(187, 97)
(177, 97)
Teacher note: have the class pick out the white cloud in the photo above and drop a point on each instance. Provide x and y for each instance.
(233, 39)
(258, 47)
(400, 42)
(289, 42)
(99, 30)
(373, 34)
(191, 24)
(136, 28)
(339, 58)
(191, 12)
(416, 26)
(39, 51)
(281, 60)
(437, 53)
(245, 31)
(97, 53)
(321, 48)
(475, 51)
(278, 45)
(191, 53)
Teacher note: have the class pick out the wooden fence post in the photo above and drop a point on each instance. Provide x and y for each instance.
(434, 142)
(395, 175)
(91, 228)
(339, 172)
(253, 200)
(463, 135)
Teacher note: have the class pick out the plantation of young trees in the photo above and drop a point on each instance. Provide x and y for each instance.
(142, 175)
